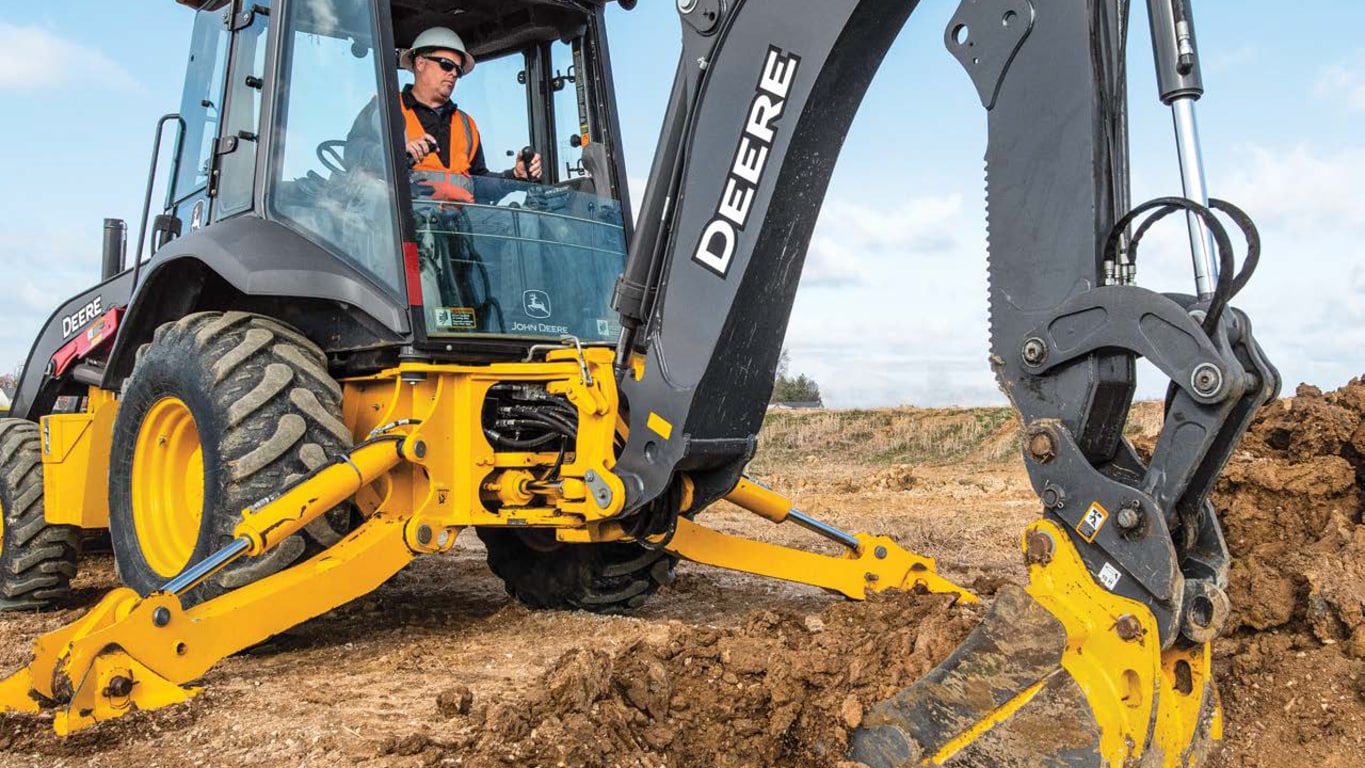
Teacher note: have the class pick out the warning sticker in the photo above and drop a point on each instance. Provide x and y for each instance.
(1092, 522)
(456, 319)
(1109, 576)
(608, 328)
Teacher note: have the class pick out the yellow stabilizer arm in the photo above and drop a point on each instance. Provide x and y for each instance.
(874, 563)
(878, 565)
(131, 653)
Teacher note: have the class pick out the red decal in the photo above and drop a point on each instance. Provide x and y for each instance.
(412, 266)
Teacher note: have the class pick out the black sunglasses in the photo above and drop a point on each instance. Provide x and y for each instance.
(449, 65)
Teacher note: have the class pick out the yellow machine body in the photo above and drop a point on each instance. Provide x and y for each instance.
(456, 478)
(422, 471)
(76, 463)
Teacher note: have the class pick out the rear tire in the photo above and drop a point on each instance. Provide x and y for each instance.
(602, 578)
(240, 402)
(37, 560)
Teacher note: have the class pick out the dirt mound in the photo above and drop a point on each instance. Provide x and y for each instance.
(1291, 503)
(1293, 674)
(782, 689)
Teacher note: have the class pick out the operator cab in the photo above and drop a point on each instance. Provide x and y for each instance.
(524, 263)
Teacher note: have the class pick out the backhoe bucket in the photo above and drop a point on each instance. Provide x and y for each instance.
(1061, 674)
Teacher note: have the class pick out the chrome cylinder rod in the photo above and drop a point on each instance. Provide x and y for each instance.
(210, 565)
(824, 529)
(1192, 181)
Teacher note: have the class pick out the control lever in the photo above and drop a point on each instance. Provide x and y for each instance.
(527, 154)
(412, 161)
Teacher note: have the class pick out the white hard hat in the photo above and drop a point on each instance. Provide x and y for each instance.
(438, 38)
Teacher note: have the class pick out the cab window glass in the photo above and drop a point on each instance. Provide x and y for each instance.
(333, 177)
(520, 259)
(237, 168)
(202, 102)
(570, 92)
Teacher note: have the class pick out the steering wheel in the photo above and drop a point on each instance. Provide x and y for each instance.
(332, 156)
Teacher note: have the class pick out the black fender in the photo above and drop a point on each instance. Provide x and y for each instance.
(245, 263)
(37, 389)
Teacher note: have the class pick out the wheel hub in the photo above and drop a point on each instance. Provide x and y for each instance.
(168, 486)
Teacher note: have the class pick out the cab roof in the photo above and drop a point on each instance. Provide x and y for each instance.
(487, 26)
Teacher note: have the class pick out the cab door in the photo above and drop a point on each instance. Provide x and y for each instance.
(201, 106)
(232, 182)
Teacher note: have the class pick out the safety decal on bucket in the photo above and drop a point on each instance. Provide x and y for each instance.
(1109, 576)
(456, 319)
(1092, 522)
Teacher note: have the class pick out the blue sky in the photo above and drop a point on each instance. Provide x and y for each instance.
(893, 304)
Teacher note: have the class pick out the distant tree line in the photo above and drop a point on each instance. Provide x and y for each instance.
(794, 389)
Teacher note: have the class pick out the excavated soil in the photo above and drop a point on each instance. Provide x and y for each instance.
(439, 668)
(1293, 674)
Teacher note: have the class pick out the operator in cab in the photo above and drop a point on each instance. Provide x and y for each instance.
(442, 141)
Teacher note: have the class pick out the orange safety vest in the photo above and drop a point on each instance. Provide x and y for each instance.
(464, 142)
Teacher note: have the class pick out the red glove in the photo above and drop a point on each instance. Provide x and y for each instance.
(450, 193)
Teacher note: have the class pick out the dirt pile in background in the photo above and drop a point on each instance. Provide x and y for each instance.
(783, 689)
(1290, 501)
(1293, 674)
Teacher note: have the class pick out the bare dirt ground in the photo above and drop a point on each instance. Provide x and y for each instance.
(438, 667)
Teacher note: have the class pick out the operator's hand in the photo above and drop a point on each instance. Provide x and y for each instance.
(520, 170)
(421, 147)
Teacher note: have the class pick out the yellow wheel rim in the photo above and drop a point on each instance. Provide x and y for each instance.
(168, 486)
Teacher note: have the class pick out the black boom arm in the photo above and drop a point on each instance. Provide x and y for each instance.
(763, 98)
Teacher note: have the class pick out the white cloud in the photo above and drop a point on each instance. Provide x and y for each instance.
(893, 304)
(831, 263)
(918, 224)
(1304, 187)
(46, 263)
(892, 307)
(32, 57)
(1344, 82)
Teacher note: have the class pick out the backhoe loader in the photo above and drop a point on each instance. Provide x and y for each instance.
(317, 372)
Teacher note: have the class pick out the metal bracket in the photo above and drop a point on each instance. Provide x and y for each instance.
(702, 15)
(1146, 556)
(1140, 321)
(247, 16)
(985, 35)
(228, 144)
(601, 492)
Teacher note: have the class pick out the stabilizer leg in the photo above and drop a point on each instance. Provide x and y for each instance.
(877, 564)
(130, 653)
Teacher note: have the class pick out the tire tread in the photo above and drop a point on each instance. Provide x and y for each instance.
(37, 559)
